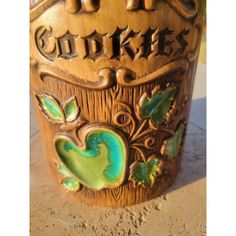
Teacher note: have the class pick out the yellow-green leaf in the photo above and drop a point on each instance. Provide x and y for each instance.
(51, 108)
(71, 184)
(157, 106)
(144, 173)
(172, 146)
(63, 170)
(71, 109)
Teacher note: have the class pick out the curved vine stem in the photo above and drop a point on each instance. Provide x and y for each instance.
(149, 131)
(75, 130)
(133, 127)
(139, 145)
(143, 134)
(73, 125)
(144, 146)
(169, 131)
(175, 119)
(139, 130)
(130, 121)
(140, 152)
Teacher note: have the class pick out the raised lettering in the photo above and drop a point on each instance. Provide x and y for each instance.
(164, 45)
(45, 43)
(182, 42)
(94, 46)
(66, 45)
(122, 44)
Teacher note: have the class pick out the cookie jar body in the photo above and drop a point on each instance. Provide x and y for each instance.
(112, 83)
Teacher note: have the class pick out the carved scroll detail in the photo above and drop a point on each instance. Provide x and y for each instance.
(126, 77)
(193, 54)
(72, 6)
(50, 72)
(108, 77)
(186, 8)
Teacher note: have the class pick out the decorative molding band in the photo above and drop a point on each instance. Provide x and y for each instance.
(126, 78)
(108, 77)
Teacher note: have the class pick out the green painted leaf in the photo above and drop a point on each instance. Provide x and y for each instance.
(157, 106)
(172, 146)
(63, 170)
(71, 109)
(51, 108)
(144, 173)
(71, 184)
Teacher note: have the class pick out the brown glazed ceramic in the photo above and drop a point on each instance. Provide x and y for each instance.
(112, 82)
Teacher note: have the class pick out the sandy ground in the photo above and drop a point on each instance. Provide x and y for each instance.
(180, 211)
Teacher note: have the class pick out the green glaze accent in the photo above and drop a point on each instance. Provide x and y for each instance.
(71, 109)
(63, 170)
(144, 173)
(51, 107)
(173, 145)
(157, 106)
(100, 164)
(71, 184)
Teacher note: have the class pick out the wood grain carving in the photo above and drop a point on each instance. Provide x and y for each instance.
(112, 83)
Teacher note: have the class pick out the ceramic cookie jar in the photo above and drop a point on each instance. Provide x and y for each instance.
(111, 82)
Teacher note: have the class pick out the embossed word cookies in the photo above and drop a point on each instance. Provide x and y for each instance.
(112, 82)
(117, 46)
